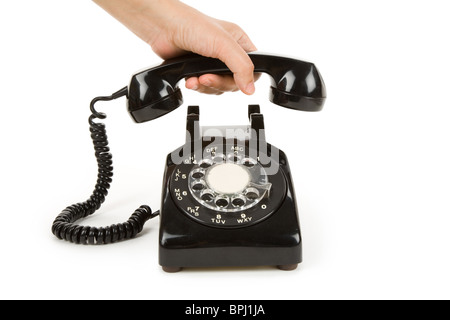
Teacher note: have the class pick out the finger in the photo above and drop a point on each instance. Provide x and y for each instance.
(222, 83)
(239, 35)
(194, 84)
(221, 44)
(241, 65)
(212, 83)
(208, 90)
(238, 61)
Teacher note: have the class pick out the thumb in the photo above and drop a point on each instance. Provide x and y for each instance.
(238, 61)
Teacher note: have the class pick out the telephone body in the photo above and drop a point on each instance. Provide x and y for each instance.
(228, 197)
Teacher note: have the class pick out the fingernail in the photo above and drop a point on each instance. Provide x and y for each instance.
(207, 83)
(250, 88)
(195, 87)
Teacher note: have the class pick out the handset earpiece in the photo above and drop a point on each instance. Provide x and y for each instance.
(297, 85)
(154, 92)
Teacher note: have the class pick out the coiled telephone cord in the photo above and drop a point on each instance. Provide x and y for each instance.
(64, 228)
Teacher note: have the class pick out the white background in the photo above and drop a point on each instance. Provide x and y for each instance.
(371, 170)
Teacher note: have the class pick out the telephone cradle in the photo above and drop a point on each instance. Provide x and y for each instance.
(228, 198)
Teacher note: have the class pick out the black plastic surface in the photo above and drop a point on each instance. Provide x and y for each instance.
(195, 234)
(271, 242)
(295, 84)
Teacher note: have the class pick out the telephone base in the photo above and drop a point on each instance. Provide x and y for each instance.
(228, 203)
(274, 241)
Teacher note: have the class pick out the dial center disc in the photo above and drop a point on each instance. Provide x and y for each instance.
(228, 178)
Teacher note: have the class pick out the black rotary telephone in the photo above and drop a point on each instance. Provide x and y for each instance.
(228, 197)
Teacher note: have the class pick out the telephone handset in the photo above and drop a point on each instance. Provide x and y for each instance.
(154, 92)
(228, 197)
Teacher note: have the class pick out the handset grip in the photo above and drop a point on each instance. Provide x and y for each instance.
(154, 92)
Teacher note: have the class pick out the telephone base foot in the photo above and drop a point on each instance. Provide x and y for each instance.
(172, 269)
(287, 267)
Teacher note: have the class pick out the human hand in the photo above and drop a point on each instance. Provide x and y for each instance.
(172, 28)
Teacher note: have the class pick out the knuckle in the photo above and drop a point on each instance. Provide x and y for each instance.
(235, 30)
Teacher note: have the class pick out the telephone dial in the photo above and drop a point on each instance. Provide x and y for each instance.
(228, 197)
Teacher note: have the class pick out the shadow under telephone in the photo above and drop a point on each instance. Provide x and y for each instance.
(227, 197)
